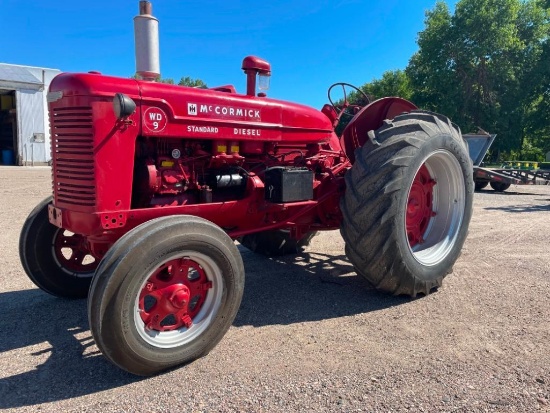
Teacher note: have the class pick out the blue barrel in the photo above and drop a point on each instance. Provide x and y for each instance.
(7, 157)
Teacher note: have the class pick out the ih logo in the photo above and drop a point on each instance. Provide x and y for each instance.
(192, 109)
(155, 119)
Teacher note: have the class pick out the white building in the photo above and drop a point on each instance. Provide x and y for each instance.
(24, 131)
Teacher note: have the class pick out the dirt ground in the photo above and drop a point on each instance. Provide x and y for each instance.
(310, 334)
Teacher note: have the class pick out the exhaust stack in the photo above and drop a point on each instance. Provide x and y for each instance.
(146, 35)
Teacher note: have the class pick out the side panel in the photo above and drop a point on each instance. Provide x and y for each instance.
(208, 114)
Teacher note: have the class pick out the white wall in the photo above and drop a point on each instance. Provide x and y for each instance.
(30, 120)
(42, 152)
(32, 116)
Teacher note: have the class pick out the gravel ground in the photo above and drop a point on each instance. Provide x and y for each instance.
(310, 335)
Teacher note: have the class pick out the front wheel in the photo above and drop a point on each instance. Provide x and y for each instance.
(408, 203)
(56, 260)
(165, 294)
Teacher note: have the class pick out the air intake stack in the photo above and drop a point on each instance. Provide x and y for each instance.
(146, 34)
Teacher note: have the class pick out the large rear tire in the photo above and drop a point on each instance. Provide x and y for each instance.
(165, 294)
(275, 243)
(408, 203)
(57, 261)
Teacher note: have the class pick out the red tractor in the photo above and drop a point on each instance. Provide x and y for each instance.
(153, 183)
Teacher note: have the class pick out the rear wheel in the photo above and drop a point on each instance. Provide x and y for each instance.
(56, 260)
(408, 203)
(275, 243)
(480, 185)
(165, 294)
(500, 186)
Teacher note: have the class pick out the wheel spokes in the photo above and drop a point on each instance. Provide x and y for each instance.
(70, 241)
(419, 206)
(73, 253)
(78, 257)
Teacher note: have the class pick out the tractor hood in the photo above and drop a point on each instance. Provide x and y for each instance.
(230, 115)
(175, 111)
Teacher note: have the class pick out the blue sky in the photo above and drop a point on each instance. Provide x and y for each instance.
(310, 44)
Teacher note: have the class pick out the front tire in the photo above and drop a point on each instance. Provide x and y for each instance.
(165, 294)
(57, 261)
(408, 203)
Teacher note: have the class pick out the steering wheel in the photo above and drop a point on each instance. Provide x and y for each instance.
(341, 108)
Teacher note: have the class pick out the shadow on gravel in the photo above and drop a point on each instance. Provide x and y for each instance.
(505, 193)
(299, 288)
(32, 317)
(520, 208)
(305, 287)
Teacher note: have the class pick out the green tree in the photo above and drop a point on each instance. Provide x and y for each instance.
(430, 70)
(189, 81)
(538, 83)
(184, 81)
(168, 81)
(482, 65)
(393, 83)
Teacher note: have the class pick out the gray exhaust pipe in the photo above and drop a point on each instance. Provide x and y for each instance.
(146, 35)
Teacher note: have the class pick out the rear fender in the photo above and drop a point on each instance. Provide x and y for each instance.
(370, 118)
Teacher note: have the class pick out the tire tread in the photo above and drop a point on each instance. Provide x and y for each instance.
(372, 186)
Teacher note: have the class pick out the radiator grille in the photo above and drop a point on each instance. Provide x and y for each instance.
(73, 156)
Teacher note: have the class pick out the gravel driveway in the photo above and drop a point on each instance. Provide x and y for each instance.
(310, 335)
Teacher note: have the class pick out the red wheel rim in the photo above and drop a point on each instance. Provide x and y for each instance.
(173, 295)
(72, 252)
(419, 206)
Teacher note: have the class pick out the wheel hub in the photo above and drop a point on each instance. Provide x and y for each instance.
(173, 295)
(73, 253)
(181, 297)
(419, 206)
